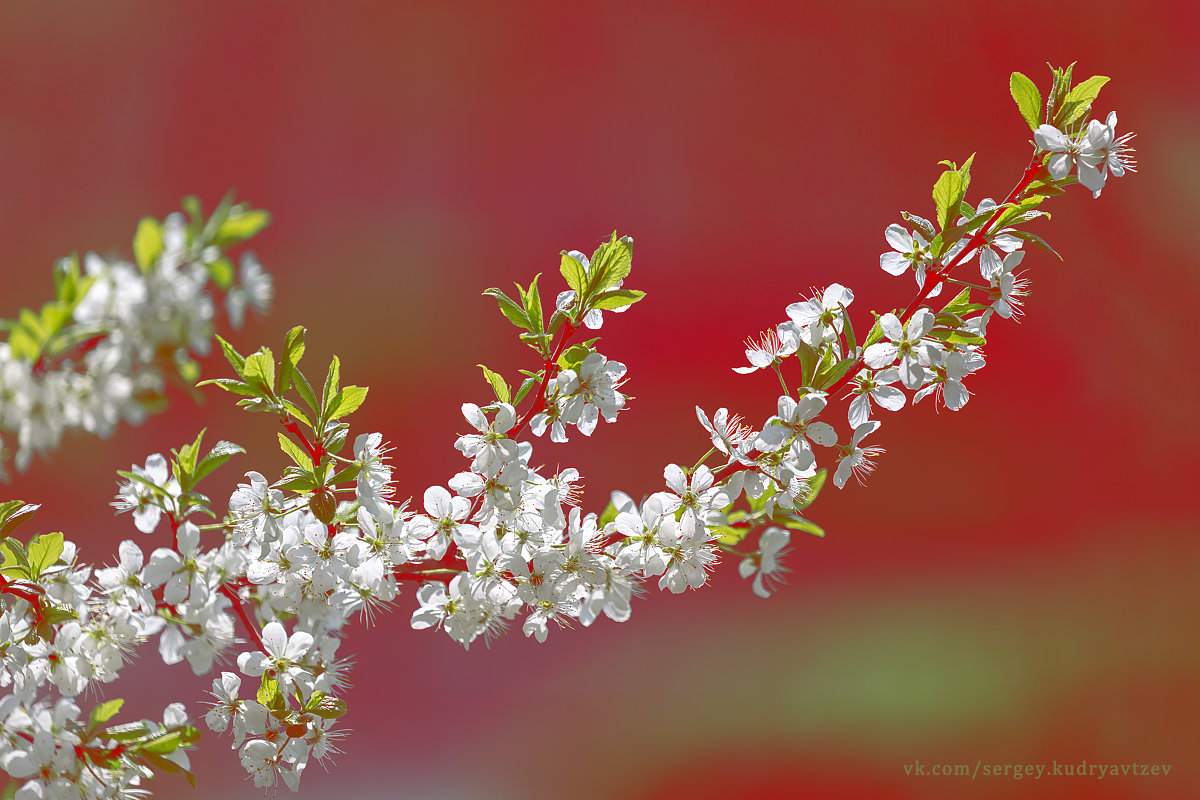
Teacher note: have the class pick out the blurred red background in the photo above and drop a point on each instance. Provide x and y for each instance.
(1017, 583)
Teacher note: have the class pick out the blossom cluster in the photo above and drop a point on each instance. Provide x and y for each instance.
(269, 588)
(103, 351)
(62, 628)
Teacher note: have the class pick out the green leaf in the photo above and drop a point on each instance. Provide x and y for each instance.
(526, 385)
(293, 351)
(329, 708)
(164, 765)
(512, 310)
(147, 243)
(293, 451)
(851, 342)
(1048, 188)
(814, 488)
(15, 513)
(187, 455)
(799, 523)
(43, 552)
(231, 385)
(332, 379)
(195, 211)
(209, 232)
(241, 224)
(296, 412)
(809, 359)
(731, 536)
(616, 298)
(346, 402)
(538, 341)
(533, 305)
(1033, 238)
(221, 272)
(103, 713)
(573, 356)
(831, 374)
(960, 301)
(610, 264)
(24, 345)
(609, 514)
(1028, 99)
(260, 370)
(164, 743)
(234, 358)
(305, 390)
(957, 337)
(920, 224)
(220, 453)
(949, 191)
(268, 690)
(498, 384)
(1079, 100)
(574, 274)
(16, 563)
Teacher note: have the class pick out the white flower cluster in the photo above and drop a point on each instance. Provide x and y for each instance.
(129, 328)
(59, 631)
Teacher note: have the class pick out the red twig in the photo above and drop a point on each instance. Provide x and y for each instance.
(240, 610)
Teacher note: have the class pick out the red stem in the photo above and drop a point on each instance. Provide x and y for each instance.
(552, 370)
(314, 451)
(241, 612)
(83, 348)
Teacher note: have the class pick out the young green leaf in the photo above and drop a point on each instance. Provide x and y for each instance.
(231, 385)
(241, 224)
(220, 453)
(1079, 100)
(1028, 99)
(293, 451)
(346, 402)
(235, 359)
(260, 370)
(293, 351)
(44, 551)
(15, 513)
(511, 309)
(221, 272)
(808, 362)
(268, 689)
(498, 384)
(526, 385)
(332, 379)
(949, 191)
(147, 243)
(329, 708)
(616, 298)
(533, 305)
(305, 390)
(574, 274)
(610, 264)
(1033, 238)
(103, 713)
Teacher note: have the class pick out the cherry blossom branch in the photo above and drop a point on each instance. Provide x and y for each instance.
(934, 279)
